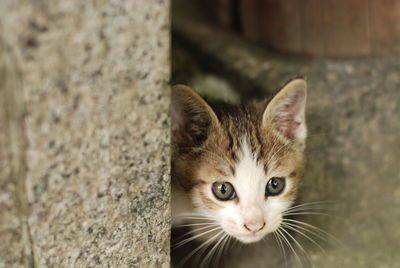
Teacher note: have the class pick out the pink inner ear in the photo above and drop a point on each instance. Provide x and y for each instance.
(285, 119)
(291, 130)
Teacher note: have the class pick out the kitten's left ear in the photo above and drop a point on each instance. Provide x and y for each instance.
(286, 111)
(192, 118)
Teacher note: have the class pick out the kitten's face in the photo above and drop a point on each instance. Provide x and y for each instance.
(247, 195)
(242, 169)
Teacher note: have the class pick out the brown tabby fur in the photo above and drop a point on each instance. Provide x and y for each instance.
(214, 153)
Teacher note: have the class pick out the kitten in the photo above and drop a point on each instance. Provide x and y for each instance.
(237, 167)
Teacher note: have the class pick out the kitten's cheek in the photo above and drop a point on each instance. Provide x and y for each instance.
(274, 224)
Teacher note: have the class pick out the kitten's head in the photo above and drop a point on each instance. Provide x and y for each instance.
(240, 167)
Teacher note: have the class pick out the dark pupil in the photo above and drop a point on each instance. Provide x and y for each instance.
(274, 183)
(223, 188)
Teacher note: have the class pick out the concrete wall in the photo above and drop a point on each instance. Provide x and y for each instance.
(84, 133)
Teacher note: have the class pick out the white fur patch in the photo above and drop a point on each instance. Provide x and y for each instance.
(249, 182)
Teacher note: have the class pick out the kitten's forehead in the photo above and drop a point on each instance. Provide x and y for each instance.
(250, 174)
(242, 137)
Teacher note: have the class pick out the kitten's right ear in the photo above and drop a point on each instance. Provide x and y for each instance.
(192, 118)
(286, 111)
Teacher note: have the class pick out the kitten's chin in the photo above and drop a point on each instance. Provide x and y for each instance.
(249, 238)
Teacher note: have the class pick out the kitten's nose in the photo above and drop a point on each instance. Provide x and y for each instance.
(254, 227)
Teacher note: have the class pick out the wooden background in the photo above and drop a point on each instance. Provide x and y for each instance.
(315, 27)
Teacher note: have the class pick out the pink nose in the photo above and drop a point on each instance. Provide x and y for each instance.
(254, 227)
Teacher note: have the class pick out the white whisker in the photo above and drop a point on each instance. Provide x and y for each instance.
(330, 236)
(200, 219)
(316, 206)
(298, 245)
(296, 229)
(279, 230)
(211, 252)
(307, 213)
(197, 224)
(196, 236)
(310, 209)
(281, 247)
(196, 215)
(204, 244)
(315, 203)
(313, 232)
(221, 249)
(195, 230)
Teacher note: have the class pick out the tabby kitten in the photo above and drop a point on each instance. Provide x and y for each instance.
(237, 167)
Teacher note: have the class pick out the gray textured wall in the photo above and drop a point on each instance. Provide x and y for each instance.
(84, 133)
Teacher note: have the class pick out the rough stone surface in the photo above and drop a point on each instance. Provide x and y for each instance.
(94, 78)
(353, 146)
(11, 230)
(11, 248)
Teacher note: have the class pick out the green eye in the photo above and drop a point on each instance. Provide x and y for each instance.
(223, 191)
(275, 186)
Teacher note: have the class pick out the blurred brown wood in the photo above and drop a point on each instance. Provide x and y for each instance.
(250, 12)
(221, 11)
(312, 43)
(345, 28)
(226, 16)
(332, 27)
(385, 26)
(318, 27)
(281, 24)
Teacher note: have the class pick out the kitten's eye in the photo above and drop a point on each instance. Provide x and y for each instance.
(223, 191)
(275, 186)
